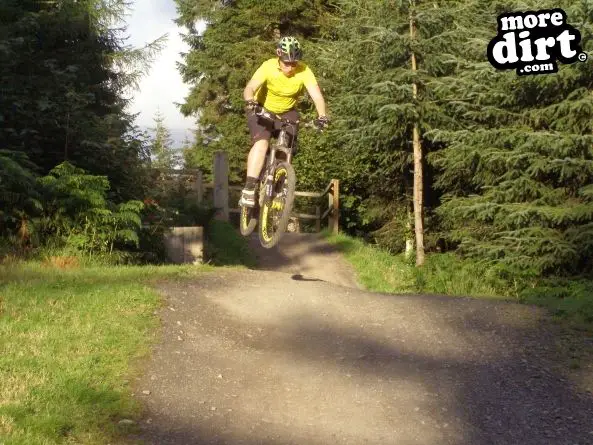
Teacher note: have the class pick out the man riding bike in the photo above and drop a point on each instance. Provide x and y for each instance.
(276, 85)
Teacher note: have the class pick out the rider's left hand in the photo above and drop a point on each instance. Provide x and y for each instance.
(321, 122)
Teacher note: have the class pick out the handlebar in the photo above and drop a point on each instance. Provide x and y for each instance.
(268, 115)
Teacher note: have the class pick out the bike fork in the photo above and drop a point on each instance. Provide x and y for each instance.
(269, 176)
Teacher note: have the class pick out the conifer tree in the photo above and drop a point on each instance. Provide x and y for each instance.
(161, 144)
(385, 103)
(517, 170)
(64, 71)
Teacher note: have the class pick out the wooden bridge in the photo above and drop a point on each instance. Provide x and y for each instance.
(326, 202)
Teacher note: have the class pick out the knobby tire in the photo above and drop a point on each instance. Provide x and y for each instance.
(248, 220)
(284, 178)
(250, 215)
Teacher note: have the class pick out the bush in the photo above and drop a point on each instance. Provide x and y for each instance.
(19, 198)
(158, 219)
(566, 298)
(78, 216)
(151, 246)
(451, 275)
(225, 246)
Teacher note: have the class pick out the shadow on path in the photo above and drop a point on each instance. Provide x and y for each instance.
(318, 364)
(307, 255)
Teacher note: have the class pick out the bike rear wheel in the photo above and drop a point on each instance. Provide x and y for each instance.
(275, 212)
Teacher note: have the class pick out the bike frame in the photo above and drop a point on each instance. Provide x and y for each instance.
(278, 164)
(280, 145)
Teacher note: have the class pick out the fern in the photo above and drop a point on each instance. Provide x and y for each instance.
(79, 215)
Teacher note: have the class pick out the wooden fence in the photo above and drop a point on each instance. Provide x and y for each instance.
(221, 188)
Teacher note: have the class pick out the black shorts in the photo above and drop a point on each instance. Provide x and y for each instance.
(261, 129)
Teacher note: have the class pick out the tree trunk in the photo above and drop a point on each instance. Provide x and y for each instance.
(418, 199)
(418, 176)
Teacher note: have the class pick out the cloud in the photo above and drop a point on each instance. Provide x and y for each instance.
(163, 86)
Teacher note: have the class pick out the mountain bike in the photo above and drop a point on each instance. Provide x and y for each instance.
(275, 188)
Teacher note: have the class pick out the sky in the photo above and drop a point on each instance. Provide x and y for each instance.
(162, 87)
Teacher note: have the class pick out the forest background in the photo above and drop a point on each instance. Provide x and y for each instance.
(506, 167)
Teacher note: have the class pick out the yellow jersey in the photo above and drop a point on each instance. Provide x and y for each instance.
(278, 92)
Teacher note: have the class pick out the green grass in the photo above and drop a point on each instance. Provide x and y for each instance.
(376, 269)
(72, 338)
(226, 246)
(446, 274)
(69, 340)
(380, 271)
(566, 299)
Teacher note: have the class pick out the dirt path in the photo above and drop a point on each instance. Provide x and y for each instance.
(305, 257)
(261, 357)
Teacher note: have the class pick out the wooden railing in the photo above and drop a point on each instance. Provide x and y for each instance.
(221, 188)
(332, 191)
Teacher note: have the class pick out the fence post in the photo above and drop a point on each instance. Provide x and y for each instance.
(318, 219)
(221, 185)
(199, 185)
(335, 206)
(330, 205)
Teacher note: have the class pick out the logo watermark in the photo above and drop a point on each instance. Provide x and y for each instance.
(531, 42)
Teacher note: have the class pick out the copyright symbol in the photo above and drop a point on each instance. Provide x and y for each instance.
(583, 57)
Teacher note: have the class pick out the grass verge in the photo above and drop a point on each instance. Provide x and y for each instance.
(225, 246)
(68, 338)
(378, 270)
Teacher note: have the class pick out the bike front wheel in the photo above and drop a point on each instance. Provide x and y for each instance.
(275, 211)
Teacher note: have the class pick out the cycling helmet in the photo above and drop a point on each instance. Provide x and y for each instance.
(289, 49)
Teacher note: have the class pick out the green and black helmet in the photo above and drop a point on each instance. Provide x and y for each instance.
(289, 49)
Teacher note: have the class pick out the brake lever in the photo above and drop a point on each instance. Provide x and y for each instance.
(312, 125)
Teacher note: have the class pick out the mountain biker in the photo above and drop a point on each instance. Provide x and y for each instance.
(276, 85)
